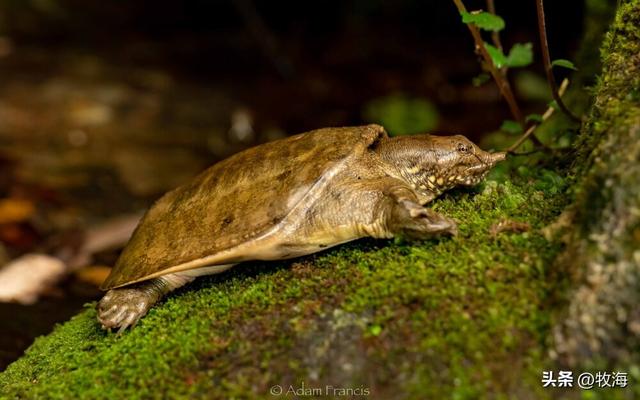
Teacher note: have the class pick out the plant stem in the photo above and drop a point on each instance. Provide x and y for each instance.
(495, 35)
(532, 128)
(498, 77)
(503, 84)
(546, 58)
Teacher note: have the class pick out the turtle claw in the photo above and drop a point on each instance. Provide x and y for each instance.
(107, 314)
(131, 320)
(122, 308)
(417, 222)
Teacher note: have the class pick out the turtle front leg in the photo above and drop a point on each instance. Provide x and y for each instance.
(123, 307)
(406, 217)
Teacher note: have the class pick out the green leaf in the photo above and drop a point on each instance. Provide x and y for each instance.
(564, 64)
(520, 55)
(480, 79)
(537, 118)
(510, 126)
(497, 56)
(549, 182)
(483, 20)
(375, 330)
(553, 104)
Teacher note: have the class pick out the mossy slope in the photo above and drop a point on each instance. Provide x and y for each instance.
(463, 317)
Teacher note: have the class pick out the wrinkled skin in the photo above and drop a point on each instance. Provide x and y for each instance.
(287, 199)
(437, 163)
(124, 307)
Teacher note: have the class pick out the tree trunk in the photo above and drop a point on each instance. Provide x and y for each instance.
(603, 238)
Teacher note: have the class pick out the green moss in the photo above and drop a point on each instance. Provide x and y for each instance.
(466, 316)
(618, 85)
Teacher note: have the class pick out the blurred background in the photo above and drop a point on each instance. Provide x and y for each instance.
(104, 106)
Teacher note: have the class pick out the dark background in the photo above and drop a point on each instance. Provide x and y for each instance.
(299, 65)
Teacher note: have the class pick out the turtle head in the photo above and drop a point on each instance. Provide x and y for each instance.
(436, 163)
(457, 161)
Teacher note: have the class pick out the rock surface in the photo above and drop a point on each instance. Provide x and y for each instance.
(603, 236)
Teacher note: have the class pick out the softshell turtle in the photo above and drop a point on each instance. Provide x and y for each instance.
(289, 198)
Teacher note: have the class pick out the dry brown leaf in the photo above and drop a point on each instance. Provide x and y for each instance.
(93, 274)
(507, 225)
(15, 210)
(27, 277)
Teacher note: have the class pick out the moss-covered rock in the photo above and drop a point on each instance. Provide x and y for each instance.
(603, 320)
(466, 315)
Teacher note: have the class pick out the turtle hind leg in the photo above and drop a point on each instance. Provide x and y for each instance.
(123, 307)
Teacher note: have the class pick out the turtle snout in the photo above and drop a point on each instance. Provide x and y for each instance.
(495, 158)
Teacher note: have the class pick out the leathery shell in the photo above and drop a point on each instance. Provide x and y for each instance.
(233, 202)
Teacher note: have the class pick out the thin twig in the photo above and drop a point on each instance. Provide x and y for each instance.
(495, 35)
(546, 58)
(503, 84)
(499, 76)
(545, 116)
(265, 37)
(527, 153)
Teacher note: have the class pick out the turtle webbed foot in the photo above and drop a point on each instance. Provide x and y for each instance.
(122, 308)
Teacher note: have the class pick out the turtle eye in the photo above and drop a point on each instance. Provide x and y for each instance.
(463, 148)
